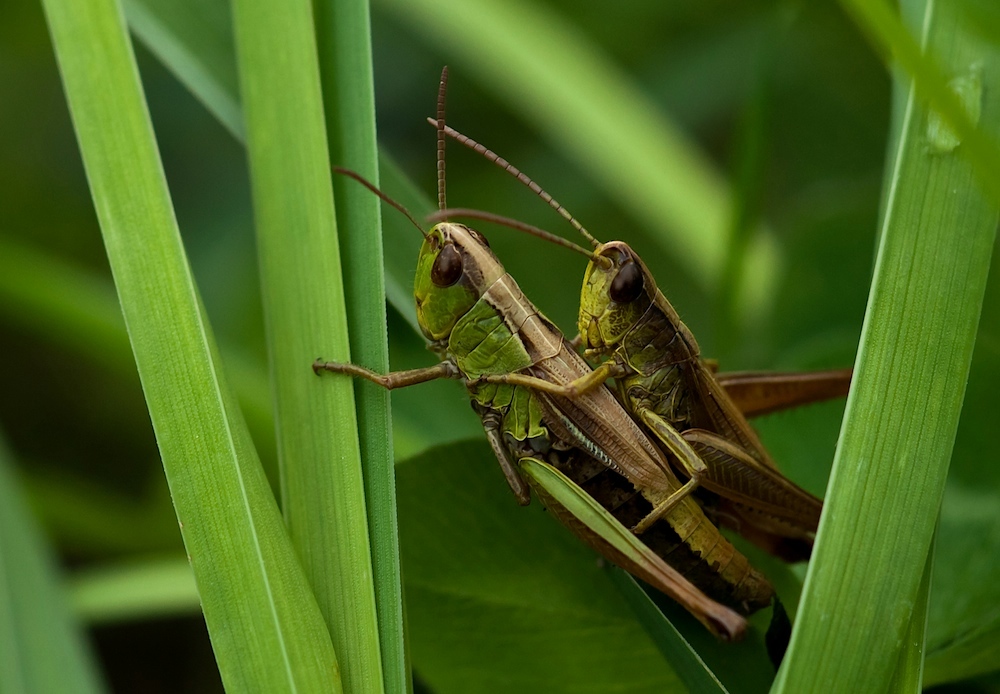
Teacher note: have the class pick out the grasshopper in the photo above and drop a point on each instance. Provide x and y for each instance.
(699, 418)
(549, 418)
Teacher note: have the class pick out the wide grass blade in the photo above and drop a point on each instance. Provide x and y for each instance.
(937, 236)
(344, 38)
(265, 625)
(42, 648)
(323, 492)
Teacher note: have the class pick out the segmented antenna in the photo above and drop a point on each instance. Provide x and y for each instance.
(515, 172)
(442, 91)
(371, 186)
(442, 215)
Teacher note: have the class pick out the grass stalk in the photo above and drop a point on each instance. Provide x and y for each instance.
(895, 446)
(344, 39)
(266, 628)
(323, 495)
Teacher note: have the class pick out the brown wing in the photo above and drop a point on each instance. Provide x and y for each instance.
(724, 417)
(734, 474)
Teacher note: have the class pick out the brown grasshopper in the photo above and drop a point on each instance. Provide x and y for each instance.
(699, 418)
(549, 418)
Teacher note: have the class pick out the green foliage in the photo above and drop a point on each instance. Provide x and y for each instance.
(484, 576)
(273, 635)
(42, 647)
(692, 132)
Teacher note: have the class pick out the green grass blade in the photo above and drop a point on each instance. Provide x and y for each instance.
(322, 487)
(265, 626)
(888, 478)
(535, 61)
(194, 38)
(42, 648)
(134, 590)
(681, 636)
(344, 39)
(697, 657)
(909, 673)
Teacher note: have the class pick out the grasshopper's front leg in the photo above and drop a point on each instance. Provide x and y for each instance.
(395, 379)
(573, 389)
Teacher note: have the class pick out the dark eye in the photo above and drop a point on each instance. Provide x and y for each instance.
(627, 284)
(447, 267)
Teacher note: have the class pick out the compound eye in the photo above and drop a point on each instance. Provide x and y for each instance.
(447, 268)
(627, 284)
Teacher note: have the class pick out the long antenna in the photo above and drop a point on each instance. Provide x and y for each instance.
(371, 186)
(442, 215)
(516, 173)
(440, 125)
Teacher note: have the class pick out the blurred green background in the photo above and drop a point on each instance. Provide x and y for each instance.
(785, 101)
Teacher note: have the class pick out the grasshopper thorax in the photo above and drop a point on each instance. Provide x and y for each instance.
(454, 268)
(615, 295)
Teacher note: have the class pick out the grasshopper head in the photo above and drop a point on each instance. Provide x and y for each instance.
(615, 296)
(454, 268)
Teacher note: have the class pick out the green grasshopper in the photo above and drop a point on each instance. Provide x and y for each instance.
(697, 417)
(549, 418)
